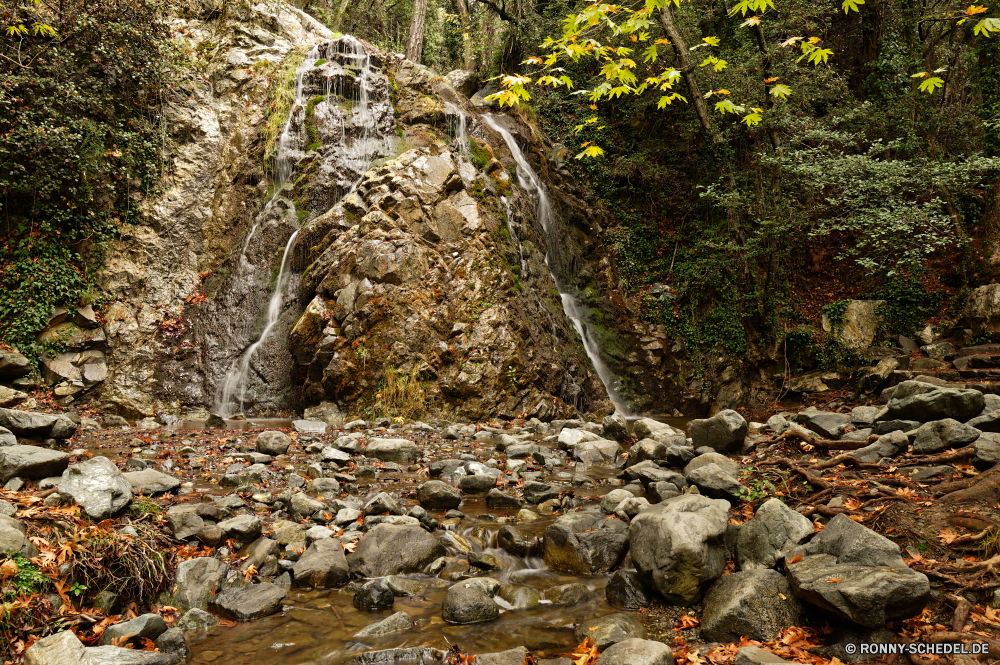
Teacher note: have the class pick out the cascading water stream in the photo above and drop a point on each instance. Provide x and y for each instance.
(571, 306)
(357, 155)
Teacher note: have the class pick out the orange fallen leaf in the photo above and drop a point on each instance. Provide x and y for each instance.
(795, 559)
(833, 580)
(947, 536)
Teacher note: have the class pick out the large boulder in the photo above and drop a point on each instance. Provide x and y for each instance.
(395, 623)
(678, 546)
(724, 432)
(249, 603)
(392, 450)
(148, 626)
(13, 365)
(98, 486)
(391, 549)
(615, 427)
(37, 425)
(775, 529)
(647, 428)
(715, 482)
(940, 435)
(585, 543)
(857, 574)
(982, 310)
(63, 648)
(438, 495)
(626, 591)
(468, 604)
(887, 446)
(31, 462)
(601, 451)
(636, 651)
(647, 449)
(323, 565)
(858, 325)
(924, 402)
(14, 537)
(757, 604)
(464, 81)
(374, 595)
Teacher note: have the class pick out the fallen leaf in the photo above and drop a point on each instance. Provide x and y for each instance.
(833, 580)
(947, 536)
(795, 559)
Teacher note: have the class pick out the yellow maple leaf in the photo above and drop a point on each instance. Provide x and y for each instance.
(973, 10)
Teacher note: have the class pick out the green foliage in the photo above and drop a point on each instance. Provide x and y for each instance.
(907, 305)
(80, 117)
(479, 155)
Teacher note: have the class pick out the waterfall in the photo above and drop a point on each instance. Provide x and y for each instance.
(353, 80)
(571, 306)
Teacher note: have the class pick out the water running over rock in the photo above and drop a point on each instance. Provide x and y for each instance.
(571, 306)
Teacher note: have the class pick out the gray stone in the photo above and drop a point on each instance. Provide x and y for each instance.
(888, 445)
(714, 482)
(874, 583)
(309, 426)
(615, 427)
(196, 580)
(13, 365)
(889, 426)
(986, 422)
(520, 597)
(730, 467)
(395, 623)
(597, 452)
(647, 428)
(243, 528)
(437, 495)
(7, 438)
(517, 542)
(58, 649)
(402, 586)
(940, 435)
(37, 425)
(324, 486)
(197, 621)
(172, 643)
(323, 565)
(608, 630)
(757, 604)
(567, 594)
(915, 400)
(464, 81)
(613, 498)
(391, 550)
(585, 543)
(392, 450)
(829, 425)
(272, 443)
(149, 626)
(98, 486)
(500, 500)
(987, 449)
(374, 595)
(864, 416)
(774, 529)
(724, 432)
(626, 591)
(249, 603)
(150, 481)
(679, 456)
(678, 546)
(32, 462)
(647, 449)
(383, 503)
(465, 605)
(757, 656)
(635, 651)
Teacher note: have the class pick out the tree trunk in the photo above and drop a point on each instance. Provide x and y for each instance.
(687, 71)
(463, 13)
(415, 44)
(340, 15)
(988, 52)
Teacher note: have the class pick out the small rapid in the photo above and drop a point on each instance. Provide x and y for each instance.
(571, 306)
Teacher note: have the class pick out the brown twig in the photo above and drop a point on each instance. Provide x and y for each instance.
(962, 609)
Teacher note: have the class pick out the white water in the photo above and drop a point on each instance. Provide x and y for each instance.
(358, 154)
(571, 306)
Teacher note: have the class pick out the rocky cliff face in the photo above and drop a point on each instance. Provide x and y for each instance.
(430, 275)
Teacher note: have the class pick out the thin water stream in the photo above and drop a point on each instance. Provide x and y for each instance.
(571, 306)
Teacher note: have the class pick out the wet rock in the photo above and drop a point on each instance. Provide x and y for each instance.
(923, 402)
(647, 449)
(395, 623)
(774, 529)
(757, 604)
(678, 546)
(402, 586)
(172, 643)
(874, 583)
(243, 528)
(723, 432)
(374, 595)
(515, 656)
(324, 486)
(757, 656)
(520, 597)
(597, 452)
(391, 550)
(272, 443)
(477, 484)
(309, 426)
(466, 604)
(392, 450)
(196, 581)
(323, 565)
(486, 560)
(585, 543)
(215, 421)
(149, 626)
(536, 492)
(517, 542)
(437, 495)
(500, 500)
(98, 486)
(626, 591)
(197, 621)
(37, 425)
(399, 655)
(567, 594)
(637, 651)
(249, 603)
(32, 462)
(679, 456)
(940, 435)
(615, 427)
(150, 481)
(608, 630)
(629, 508)
(613, 498)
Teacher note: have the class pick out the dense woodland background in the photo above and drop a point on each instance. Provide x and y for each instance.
(858, 185)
